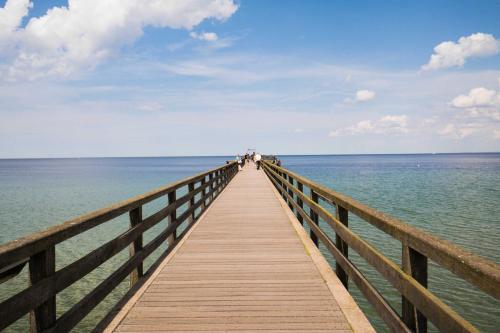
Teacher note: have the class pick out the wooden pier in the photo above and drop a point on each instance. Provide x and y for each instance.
(241, 256)
(243, 267)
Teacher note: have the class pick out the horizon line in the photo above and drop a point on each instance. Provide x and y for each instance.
(216, 155)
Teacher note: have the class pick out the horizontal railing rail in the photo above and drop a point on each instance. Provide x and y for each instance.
(38, 250)
(410, 280)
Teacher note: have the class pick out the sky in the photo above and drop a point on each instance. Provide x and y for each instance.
(95, 78)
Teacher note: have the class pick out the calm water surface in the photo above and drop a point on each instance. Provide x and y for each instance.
(454, 196)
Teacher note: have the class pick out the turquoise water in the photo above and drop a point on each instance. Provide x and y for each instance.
(454, 196)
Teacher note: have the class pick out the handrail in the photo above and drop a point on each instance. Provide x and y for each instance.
(21, 248)
(39, 250)
(411, 279)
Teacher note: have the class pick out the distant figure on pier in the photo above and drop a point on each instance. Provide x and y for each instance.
(238, 160)
(257, 159)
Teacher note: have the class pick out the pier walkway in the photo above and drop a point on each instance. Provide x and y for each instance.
(247, 265)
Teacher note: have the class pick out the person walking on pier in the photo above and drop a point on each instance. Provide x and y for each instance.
(238, 160)
(257, 159)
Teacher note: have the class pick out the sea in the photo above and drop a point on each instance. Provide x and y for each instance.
(453, 196)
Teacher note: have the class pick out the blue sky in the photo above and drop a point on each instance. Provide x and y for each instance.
(157, 78)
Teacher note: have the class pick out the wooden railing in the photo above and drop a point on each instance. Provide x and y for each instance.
(410, 280)
(38, 249)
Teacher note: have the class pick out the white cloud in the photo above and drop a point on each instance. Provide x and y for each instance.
(476, 112)
(477, 97)
(205, 36)
(480, 103)
(361, 96)
(83, 34)
(460, 131)
(451, 54)
(364, 95)
(386, 125)
(12, 14)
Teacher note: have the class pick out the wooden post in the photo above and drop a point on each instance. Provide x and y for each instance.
(172, 217)
(136, 246)
(300, 187)
(314, 217)
(290, 192)
(191, 201)
(43, 265)
(203, 194)
(211, 186)
(415, 264)
(219, 182)
(283, 184)
(279, 181)
(343, 217)
(216, 183)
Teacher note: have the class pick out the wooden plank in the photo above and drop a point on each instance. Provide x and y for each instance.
(242, 268)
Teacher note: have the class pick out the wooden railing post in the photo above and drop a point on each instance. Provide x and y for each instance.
(219, 182)
(283, 184)
(279, 181)
(203, 193)
(290, 192)
(211, 186)
(343, 217)
(300, 187)
(136, 246)
(43, 265)
(172, 217)
(314, 217)
(191, 202)
(415, 264)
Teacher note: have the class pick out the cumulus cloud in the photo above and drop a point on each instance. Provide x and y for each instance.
(83, 34)
(477, 97)
(205, 36)
(364, 95)
(452, 54)
(480, 104)
(12, 14)
(392, 124)
(478, 111)
(361, 96)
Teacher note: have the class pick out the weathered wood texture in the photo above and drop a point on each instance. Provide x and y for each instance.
(477, 270)
(418, 303)
(39, 299)
(243, 268)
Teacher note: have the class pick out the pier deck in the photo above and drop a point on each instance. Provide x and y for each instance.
(247, 265)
